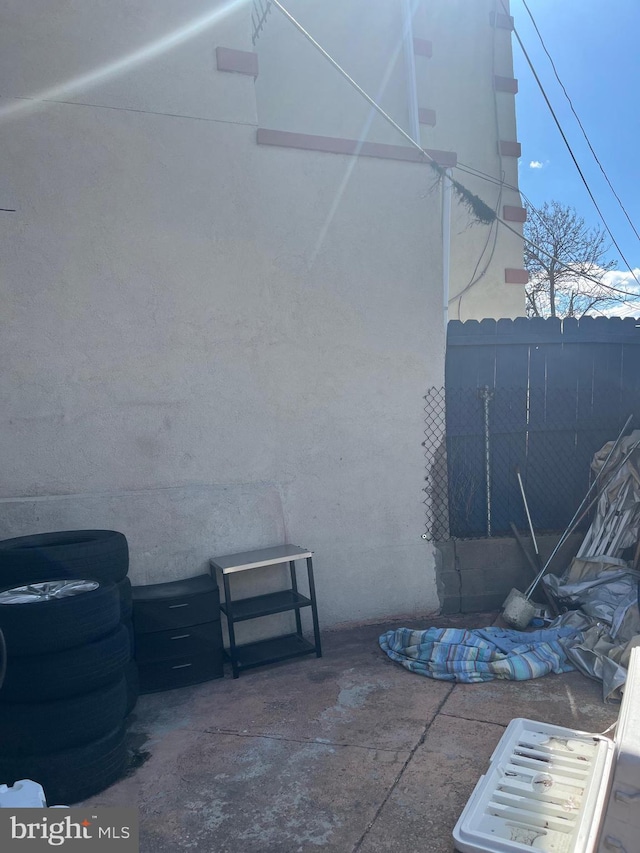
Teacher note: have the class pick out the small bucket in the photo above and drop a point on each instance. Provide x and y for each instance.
(518, 611)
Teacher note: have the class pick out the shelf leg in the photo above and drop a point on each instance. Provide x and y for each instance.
(294, 587)
(232, 634)
(314, 609)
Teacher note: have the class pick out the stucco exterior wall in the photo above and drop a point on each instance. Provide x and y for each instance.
(458, 54)
(298, 90)
(208, 344)
(472, 118)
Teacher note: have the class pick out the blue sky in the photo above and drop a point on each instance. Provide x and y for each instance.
(595, 47)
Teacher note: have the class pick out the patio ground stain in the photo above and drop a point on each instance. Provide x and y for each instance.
(349, 753)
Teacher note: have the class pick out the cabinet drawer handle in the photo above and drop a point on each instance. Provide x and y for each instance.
(182, 666)
(180, 637)
(173, 606)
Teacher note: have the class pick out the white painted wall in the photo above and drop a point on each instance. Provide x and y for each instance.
(207, 344)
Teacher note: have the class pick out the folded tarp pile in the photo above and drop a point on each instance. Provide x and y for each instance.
(599, 589)
(604, 591)
(454, 654)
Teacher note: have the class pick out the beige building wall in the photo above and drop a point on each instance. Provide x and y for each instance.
(462, 57)
(298, 89)
(474, 117)
(209, 344)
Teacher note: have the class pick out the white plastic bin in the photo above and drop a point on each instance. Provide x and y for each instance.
(559, 790)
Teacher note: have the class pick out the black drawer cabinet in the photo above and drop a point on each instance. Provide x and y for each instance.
(178, 642)
(179, 672)
(178, 638)
(175, 605)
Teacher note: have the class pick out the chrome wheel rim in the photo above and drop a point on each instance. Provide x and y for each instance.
(35, 593)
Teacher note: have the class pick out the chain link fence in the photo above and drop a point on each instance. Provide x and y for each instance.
(437, 478)
(476, 439)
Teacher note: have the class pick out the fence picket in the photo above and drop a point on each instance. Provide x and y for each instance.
(561, 389)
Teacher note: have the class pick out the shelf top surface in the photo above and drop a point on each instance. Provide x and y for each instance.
(262, 557)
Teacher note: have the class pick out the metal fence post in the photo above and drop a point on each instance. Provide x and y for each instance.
(486, 395)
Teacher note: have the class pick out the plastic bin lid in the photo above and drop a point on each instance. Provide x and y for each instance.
(547, 787)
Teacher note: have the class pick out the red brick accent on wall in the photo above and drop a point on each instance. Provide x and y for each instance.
(239, 61)
(423, 47)
(505, 84)
(501, 21)
(337, 145)
(427, 116)
(510, 149)
(516, 276)
(511, 213)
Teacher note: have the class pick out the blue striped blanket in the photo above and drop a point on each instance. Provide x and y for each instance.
(454, 654)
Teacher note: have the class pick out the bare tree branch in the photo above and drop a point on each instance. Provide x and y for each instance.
(571, 252)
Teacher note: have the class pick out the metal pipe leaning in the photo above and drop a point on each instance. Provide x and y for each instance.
(526, 509)
(571, 526)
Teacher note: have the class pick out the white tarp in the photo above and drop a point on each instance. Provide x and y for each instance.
(599, 589)
(606, 592)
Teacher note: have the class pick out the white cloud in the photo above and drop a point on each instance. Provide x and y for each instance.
(623, 279)
(625, 304)
(536, 164)
(625, 309)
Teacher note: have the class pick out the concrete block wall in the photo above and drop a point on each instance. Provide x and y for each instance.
(478, 574)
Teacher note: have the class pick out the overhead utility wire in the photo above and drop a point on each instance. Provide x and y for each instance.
(560, 263)
(492, 234)
(352, 82)
(417, 145)
(570, 150)
(480, 209)
(463, 167)
(475, 173)
(577, 117)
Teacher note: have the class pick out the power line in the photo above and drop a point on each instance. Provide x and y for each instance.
(492, 234)
(417, 145)
(463, 167)
(376, 106)
(481, 210)
(577, 117)
(570, 150)
(552, 257)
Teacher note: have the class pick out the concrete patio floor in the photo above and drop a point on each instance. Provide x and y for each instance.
(346, 753)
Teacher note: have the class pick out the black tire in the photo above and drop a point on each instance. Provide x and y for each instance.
(83, 669)
(126, 601)
(57, 624)
(75, 774)
(99, 554)
(128, 624)
(37, 729)
(133, 685)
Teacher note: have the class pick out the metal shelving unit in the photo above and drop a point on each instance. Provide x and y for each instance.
(273, 649)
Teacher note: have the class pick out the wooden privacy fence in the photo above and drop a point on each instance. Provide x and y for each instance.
(539, 394)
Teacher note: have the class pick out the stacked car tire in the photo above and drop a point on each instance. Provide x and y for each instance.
(65, 612)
